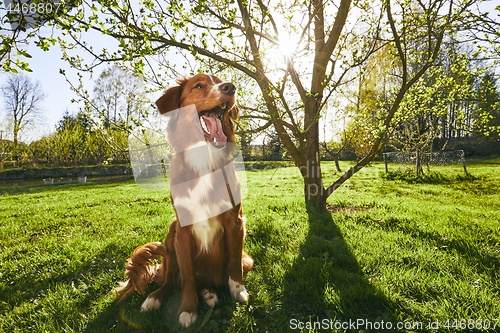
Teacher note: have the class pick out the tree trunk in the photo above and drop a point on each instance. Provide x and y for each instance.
(16, 132)
(337, 165)
(314, 192)
(417, 163)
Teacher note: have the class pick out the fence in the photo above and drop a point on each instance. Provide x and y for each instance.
(418, 159)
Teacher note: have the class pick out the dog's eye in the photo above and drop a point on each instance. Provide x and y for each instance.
(199, 85)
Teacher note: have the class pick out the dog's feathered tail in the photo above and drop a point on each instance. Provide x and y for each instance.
(141, 271)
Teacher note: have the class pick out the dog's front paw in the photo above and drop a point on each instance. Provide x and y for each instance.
(210, 297)
(186, 319)
(238, 291)
(151, 303)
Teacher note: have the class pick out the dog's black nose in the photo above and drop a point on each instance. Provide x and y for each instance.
(228, 88)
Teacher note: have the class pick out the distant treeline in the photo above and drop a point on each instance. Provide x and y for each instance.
(77, 143)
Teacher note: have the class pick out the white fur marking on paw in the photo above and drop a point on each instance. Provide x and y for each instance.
(150, 303)
(209, 297)
(186, 319)
(238, 291)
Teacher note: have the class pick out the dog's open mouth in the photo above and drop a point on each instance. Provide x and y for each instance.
(211, 123)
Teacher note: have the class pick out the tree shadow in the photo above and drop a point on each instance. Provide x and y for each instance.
(326, 283)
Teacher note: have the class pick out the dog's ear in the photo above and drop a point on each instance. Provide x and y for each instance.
(170, 100)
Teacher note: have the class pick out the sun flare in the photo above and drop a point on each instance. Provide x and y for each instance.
(287, 45)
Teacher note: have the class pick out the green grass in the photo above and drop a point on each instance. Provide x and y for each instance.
(391, 250)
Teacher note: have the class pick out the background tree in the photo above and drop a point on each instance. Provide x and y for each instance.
(78, 142)
(432, 106)
(368, 96)
(446, 104)
(22, 98)
(273, 149)
(119, 97)
(487, 115)
(481, 27)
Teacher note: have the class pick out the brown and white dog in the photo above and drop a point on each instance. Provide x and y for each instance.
(204, 246)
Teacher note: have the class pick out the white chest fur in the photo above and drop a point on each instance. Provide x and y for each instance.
(205, 232)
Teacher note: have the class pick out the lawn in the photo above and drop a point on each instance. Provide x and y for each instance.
(392, 252)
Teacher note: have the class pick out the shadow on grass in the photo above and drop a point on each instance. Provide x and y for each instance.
(126, 316)
(58, 292)
(326, 283)
(79, 298)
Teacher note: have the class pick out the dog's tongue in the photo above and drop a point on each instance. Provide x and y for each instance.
(216, 136)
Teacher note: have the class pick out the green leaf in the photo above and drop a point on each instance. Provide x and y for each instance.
(23, 53)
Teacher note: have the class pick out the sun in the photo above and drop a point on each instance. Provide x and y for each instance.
(287, 45)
